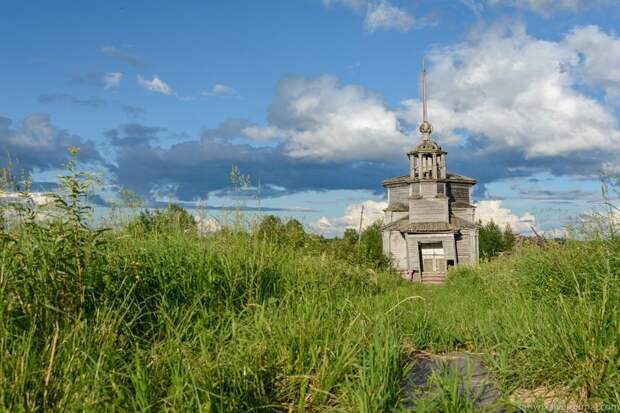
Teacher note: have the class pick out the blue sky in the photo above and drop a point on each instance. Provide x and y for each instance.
(318, 99)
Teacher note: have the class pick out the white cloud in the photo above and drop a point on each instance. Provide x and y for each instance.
(325, 121)
(38, 198)
(380, 14)
(155, 85)
(519, 92)
(600, 59)
(206, 224)
(261, 133)
(373, 211)
(546, 7)
(220, 90)
(383, 15)
(112, 80)
(492, 210)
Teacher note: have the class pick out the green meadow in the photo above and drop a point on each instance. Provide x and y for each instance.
(151, 315)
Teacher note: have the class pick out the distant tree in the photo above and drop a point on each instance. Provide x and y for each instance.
(173, 217)
(491, 240)
(508, 238)
(371, 245)
(271, 227)
(294, 232)
(350, 236)
(180, 218)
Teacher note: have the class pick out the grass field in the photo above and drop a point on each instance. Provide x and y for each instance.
(166, 319)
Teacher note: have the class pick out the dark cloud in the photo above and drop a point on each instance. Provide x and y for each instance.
(192, 168)
(133, 135)
(225, 131)
(123, 56)
(487, 163)
(196, 167)
(92, 102)
(35, 143)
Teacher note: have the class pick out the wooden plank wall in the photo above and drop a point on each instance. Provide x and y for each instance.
(413, 241)
(459, 192)
(399, 194)
(428, 210)
(464, 213)
(467, 247)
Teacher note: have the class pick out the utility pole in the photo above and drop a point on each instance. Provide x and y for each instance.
(359, 234)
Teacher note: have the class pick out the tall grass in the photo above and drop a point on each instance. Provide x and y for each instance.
(166, 319)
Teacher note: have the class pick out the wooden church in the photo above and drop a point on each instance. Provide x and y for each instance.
(429, 221)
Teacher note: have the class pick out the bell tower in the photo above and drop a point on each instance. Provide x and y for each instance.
(427, 172)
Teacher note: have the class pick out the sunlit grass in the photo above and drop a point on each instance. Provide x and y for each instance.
(168, 319)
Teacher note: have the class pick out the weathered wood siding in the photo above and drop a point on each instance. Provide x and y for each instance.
(398, 251)
(464, 249)
(413, 247)
(413, 253)
(428, 188)
(464, 213)
(398, 194)
(467, 247)
(391, 216)
(459, 192)
(428, 210)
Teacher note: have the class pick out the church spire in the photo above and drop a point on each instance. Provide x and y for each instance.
(424, 96)
(425, 128)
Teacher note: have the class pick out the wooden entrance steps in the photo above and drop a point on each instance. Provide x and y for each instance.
(433, 278)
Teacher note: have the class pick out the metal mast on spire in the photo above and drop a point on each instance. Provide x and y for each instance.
(424, 95)
(425, 128)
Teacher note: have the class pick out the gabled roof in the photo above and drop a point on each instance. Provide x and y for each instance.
(403, 225)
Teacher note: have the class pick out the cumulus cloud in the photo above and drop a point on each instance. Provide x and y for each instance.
(382, 15)
(324, 121)
(599, 64)
(373, 211)
(123, 56)
(37, 144)
(194, 167)
(155, 85)
(112, 80)
(263, 133)
(207, 224)
(511, 100)
(492, 210)
(220, 90)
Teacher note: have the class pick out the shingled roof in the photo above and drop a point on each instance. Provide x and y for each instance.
(405, 179)
(403, 225)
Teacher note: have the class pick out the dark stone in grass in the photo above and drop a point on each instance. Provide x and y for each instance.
(474, 380)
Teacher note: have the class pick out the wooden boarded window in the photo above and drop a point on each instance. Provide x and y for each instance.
(441, 188)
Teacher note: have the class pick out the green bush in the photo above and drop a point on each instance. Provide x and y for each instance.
(493, 240)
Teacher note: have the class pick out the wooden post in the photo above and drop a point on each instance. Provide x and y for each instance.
(359, 234)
